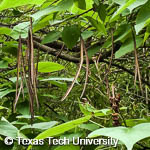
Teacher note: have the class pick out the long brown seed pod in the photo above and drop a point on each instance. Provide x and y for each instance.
(78, 72)
(87, 71)
(18, 72)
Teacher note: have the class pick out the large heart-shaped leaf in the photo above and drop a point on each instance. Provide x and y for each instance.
(5, 4)
(45, 67)
(129, 136)
(20, 29)
(70, 35)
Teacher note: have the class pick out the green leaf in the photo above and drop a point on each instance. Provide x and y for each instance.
(63, 5)
(128, 46)
(5, 30)
(3, 64)
(70, 35)
(121, 9)
(101, 9)
(5, 92)
(88, 109)
(52, 132)
(133, 122)
(14, 79)
(39, 25)
(61, 85)
(5, 4)
(129, 136)
(23, 108)
(18, 123)
(86, 34)
(42, 126)
(89, 126)
(46, 67)
(51, 36)
(103, 112)
(98, 25)
(122, 33)
(136, 4)
(77, 10)
(120, 2)
(20, 29)
(142, 17)
(80, 4)
(1, 107)
(7, 129)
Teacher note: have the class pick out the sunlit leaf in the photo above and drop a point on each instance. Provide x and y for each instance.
(52, 132)
(20, 29)
(45, 67)
(5, 4)
(129, 136)
(121, 9)
(5, 30)
(134, 5)
(5, 92)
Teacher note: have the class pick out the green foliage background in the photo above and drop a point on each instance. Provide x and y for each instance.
(58, 26)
